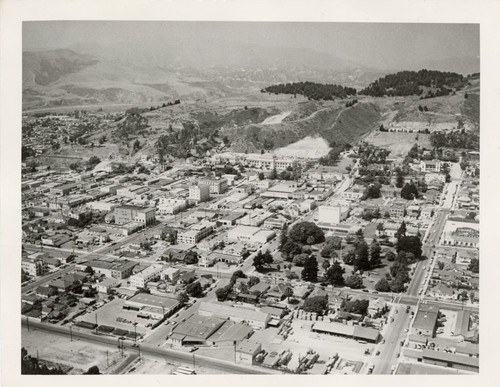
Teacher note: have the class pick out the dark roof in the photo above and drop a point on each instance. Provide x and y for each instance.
(450, 357)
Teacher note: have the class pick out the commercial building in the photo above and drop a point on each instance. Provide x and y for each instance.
(150, 273)
(430, 166)
(114, 269)
(171, 206)
(34, 265)
(352, 331)
(425, 321)
(153, 305)
(250, 234)
(196, 233)
(332, 214)
(199, 193)
(127, 214)
(254, 318)
(247, 350)
(216, 186)
(450, 360)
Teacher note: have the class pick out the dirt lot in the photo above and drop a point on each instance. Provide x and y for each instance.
(77, 354)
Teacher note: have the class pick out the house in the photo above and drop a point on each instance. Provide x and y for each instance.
(442, 291)
(278, 292)
(430, 166)
(45, 291)
(377, 305)
(246, 351)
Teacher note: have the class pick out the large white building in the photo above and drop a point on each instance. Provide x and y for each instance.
(171, 206)
(332, 214)
(216, 186)
(196, 233)
(199, 193)
(150, 273)
(249, 234)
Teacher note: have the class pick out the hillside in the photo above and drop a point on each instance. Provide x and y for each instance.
(424, 83)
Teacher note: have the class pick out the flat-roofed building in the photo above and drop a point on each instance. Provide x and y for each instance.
(153, 305)
(196, 233)
(254, 318)
(199, 193)
(425, 322)
(127, 214)
(140, 280)
(216, 186)
(247, 350)
(171, 206)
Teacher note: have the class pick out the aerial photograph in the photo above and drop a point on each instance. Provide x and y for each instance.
(230, 198)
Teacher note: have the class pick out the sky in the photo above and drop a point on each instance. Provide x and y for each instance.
(375, 45)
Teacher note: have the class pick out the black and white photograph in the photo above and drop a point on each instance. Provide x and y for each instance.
(247, 197)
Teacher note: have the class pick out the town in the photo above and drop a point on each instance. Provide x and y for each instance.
(249, 262)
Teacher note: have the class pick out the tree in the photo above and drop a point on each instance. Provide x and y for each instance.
(380, 227)
(390, 256)
(288, 292)
(401, 230)
(375, 254)
(354, 281)
(267, 258)
(258, 261)
(194, 289)
(382, 285)
(474, 265)
(410, 244)
(183, 298)
(334, 275)
(441, 265)
(94, 370)
(361, 262)
(252, 280)
(191, 258)
(409, 191)
(261, 175)
(222, 293)
(317, 304)
(93, 161)
(300, 259)
(310, 271)
(290, 250)
(356, 306)
(273, 175)
(238, 274)
(301, 232)
(349, 257)
(89, 270)
(463, 296)
(326, 264)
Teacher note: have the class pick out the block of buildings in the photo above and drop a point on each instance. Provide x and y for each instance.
(199, 193)
(216, 186)
(126, 214)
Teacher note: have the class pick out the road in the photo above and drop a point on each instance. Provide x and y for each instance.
(47, 278)
(151, 350)
(393, 334)
(433, 239)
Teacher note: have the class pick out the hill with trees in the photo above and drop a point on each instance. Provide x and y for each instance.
(405, 83)
(312, 90)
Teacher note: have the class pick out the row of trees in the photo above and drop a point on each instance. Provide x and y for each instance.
(458, 139)
(312, 90)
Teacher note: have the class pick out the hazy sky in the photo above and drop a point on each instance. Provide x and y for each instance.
(376, 45)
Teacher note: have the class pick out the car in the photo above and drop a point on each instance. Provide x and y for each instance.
(406, 330)
(193, 349)
(377, 353)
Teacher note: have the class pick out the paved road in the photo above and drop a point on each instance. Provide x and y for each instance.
(393, 334)
(152, 350)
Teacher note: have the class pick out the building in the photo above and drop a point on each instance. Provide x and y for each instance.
(171, 206)
(216, 186)
(105, 285)
(254, 318)
(354, 193)
(150, 273)
(430, 166)
(127, 214)
(114, 269)
(246, 351)
(34, 265)
(196, 233)
(450, 360)
(425, 321)
(195, 330)
(332, 214)
(249, 234)
(199, 193)
(153, 305)
(352, 331)
(430, 177)
(261, 161)
(63, 189)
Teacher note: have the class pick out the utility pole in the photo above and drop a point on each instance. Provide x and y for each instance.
(71, 332)
(107, 358)
(28, 322)
(194, 362)
(96, 324)
(135, 333)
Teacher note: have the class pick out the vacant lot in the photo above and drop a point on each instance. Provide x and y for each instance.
(77, 354)
(312, 147)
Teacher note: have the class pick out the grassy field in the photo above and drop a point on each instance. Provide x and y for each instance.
(398, 143)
